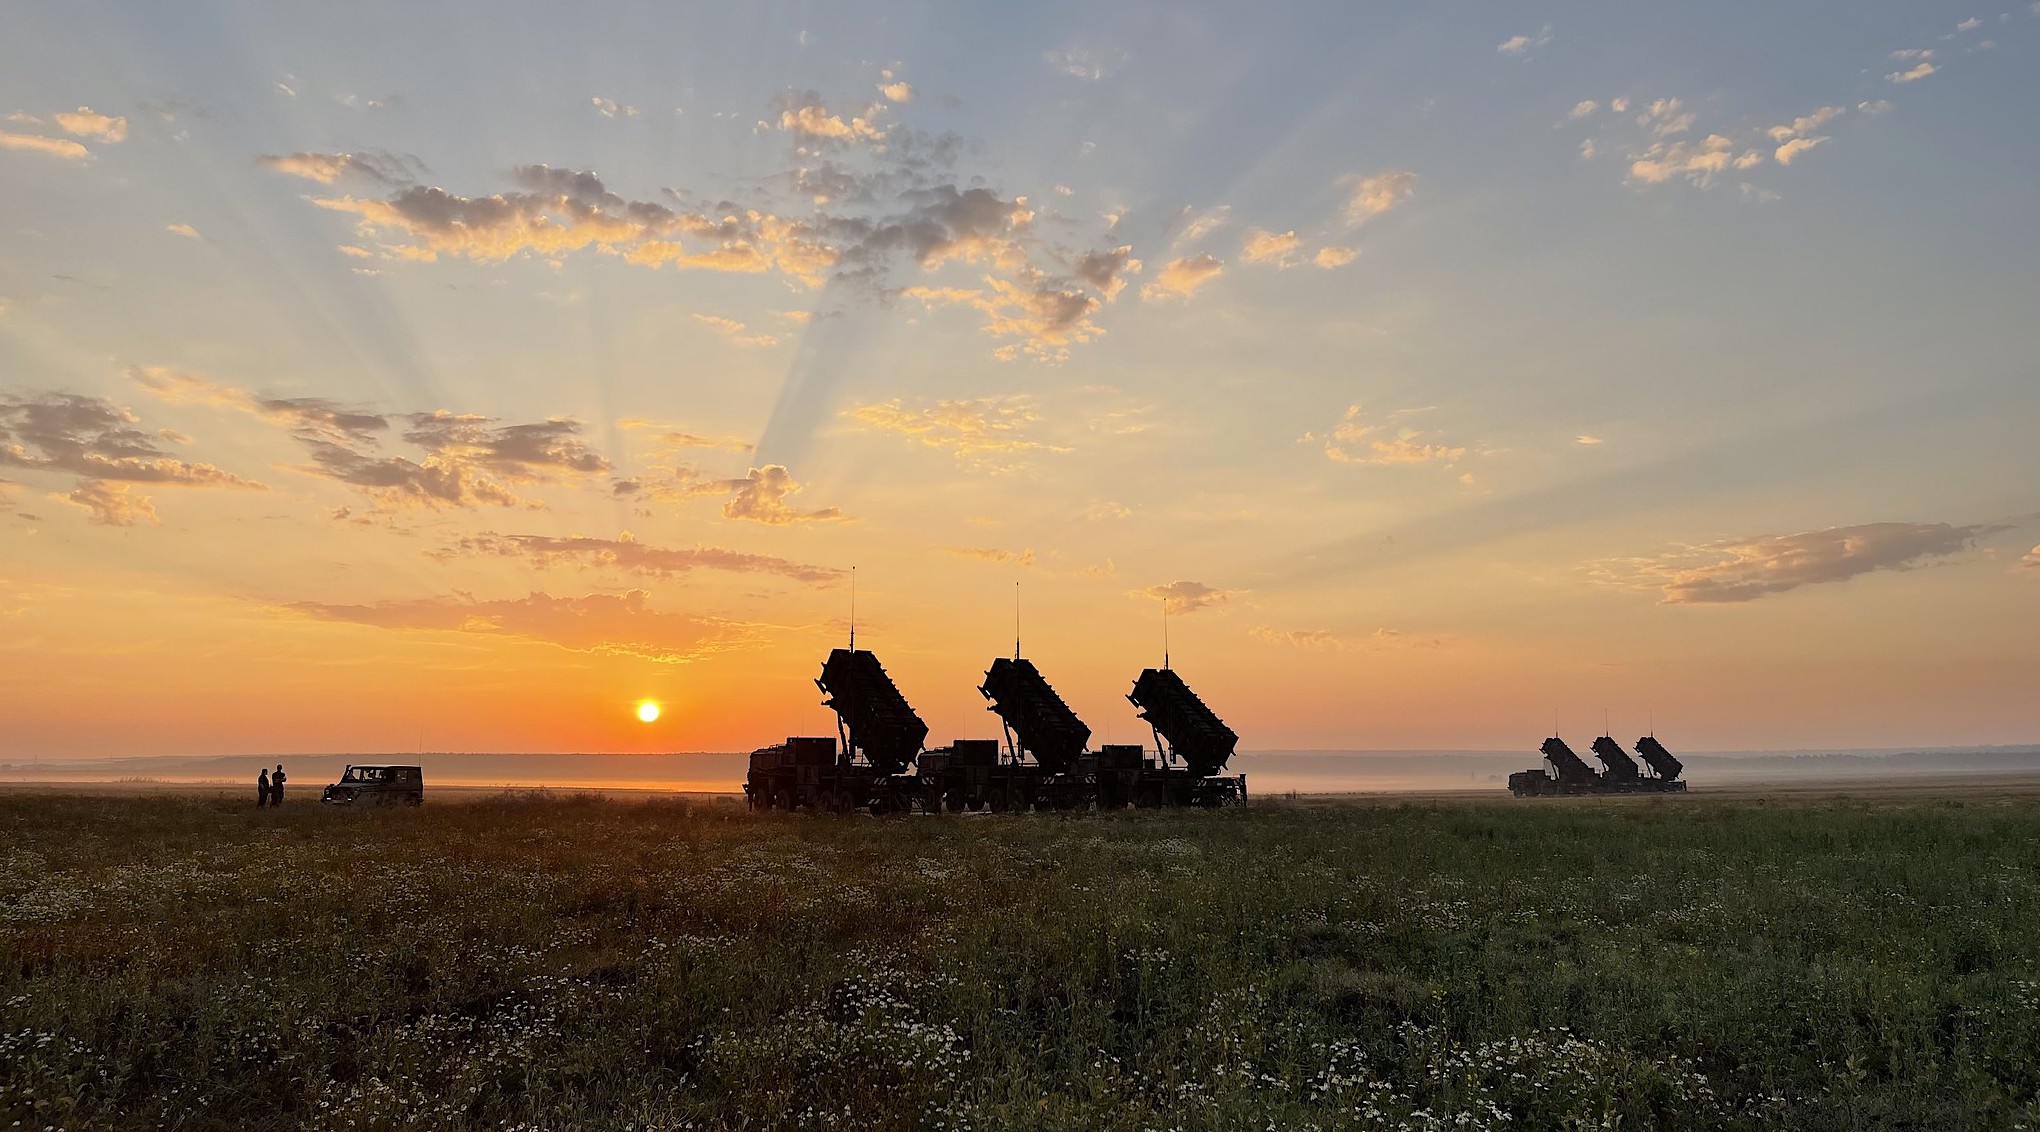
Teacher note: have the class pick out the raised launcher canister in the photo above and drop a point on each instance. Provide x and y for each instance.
(1620, 768)
(1186, 732)
(1663, 763)
(1040, 726)
(880, 735)
(1569, 773)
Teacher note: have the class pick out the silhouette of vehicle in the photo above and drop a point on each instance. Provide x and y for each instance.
(1570, 774)
(366, 785)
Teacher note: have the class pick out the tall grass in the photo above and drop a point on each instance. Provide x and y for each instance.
(575, 963)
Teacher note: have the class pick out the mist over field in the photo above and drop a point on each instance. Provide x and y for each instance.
(1268, 772)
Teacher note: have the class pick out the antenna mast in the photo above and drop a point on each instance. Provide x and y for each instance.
(853, 609)
(1016, 621)
(1165, 634)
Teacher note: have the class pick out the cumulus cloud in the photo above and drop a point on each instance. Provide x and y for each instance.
(1335, 256)
(1355, 441)
(111, 504)
(1794, 148)
(85, 122)
(1874, 106)
(1180, 278)
(626, 554)
(1583, 108)
(2032, 559)
(1700, 163)
(618, 624)
(1740, 570)
(184, 230)
(1912, 74)
(1370, 195)
(52, 147)
(1524, 44)
(610, 108)
(803, 112)
(894, 88)
(985, 432)
(1186, 597)
(761, 495)
(672, 437)
(1584, 439)
(1263, 246)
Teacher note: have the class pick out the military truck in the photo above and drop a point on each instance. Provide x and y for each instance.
(1194, 745)
(1568, 773)
(377, 785)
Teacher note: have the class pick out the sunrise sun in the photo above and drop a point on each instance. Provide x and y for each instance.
(648, 710)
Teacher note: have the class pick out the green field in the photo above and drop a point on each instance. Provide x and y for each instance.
(574, 963)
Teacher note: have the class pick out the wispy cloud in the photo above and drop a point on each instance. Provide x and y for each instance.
(1741, 570)
(1354, 440)
(52, 147)
(86, 122)
(626, 554)
(986, 432)
(1524, 44)
(620, 624)
(1180, 278)
(735, 331)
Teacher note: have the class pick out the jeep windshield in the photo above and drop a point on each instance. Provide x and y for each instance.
(365, 774)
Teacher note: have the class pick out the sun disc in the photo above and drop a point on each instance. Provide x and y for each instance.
(648, 711)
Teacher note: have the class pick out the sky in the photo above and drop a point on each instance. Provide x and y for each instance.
(398, 377)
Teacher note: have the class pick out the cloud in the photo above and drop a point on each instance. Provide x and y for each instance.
(1913, 74)
(53, 147)
(977, 432)
(1298, 638)
(84, 122)
(1805, 126)
(184, 230)
(1370, 195)
(111, 504)
(626, 554)
(326, 168)
(1875, 106)
(733, 330)
(803, 112)
(1742, 570)
(1263, 246)
(94, 439)
(1700, 163)
(1583, 108)
(1334, 256)
(1794, 148)
(615, 624)
(610, 108)
(894, 88)
(1186, 597)
(1354, 441)
(1107, 270)
(761, 495)
(993, 554)
(672, 437)
(1179, 278)
(1523, 44)
(465, 460)
(1586, 440)
(1044, 316)
(1086, 63)
(2032, 559)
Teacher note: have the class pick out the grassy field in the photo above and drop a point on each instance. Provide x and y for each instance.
(183, 962)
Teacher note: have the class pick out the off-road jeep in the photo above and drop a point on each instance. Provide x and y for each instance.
(377, 786)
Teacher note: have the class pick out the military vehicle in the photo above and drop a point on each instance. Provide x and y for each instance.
(1047, 764)
(1191, 742)
(1564, 772)
(872, 769)
(365, 784)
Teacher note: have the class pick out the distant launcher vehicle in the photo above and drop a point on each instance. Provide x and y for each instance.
(876, 761)
(1565, 772)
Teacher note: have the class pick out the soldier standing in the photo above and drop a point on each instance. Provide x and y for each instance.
(276, 786)
(262, 788)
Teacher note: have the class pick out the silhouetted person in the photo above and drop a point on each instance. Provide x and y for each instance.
(262, 788)
(276, 782)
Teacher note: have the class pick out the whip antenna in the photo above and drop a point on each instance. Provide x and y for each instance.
(1165, 634)
(853, 609)
(1016, 621)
